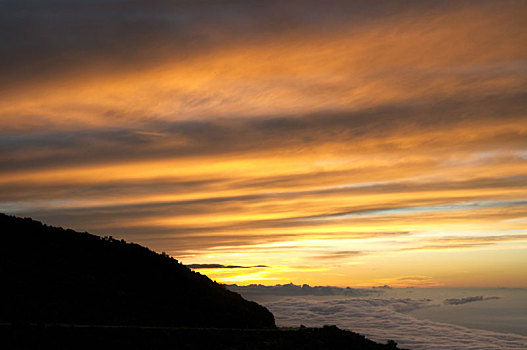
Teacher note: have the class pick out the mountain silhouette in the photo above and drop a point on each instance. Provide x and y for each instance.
(50, 274)
(64, 289)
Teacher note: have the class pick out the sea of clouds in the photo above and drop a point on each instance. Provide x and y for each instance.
(377, 314)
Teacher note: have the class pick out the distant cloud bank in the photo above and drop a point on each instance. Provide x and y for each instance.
(303, 290)
(460, 301)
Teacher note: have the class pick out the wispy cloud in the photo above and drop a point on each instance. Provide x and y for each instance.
(220, 266)
(356, 135)
(460, 301)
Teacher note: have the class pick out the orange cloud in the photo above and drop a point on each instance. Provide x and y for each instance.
(360, 141)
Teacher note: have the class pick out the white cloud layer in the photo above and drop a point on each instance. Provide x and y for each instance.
(382, 319)
(385, 313)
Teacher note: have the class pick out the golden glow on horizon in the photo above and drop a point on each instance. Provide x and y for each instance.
(389, 152)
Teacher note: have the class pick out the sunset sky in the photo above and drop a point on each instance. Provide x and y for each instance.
(344, 143)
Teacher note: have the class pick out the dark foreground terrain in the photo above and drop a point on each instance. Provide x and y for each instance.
(52, 275)
(63, 289)
(91, 337)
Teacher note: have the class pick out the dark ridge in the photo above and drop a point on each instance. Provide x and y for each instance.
(89, 338)
(53, 275)
(63, 289)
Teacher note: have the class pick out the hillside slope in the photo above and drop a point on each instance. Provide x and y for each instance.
(89, 338)
(52, 275)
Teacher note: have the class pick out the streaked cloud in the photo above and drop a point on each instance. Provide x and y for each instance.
(460, 301)
(324, 140)
(220, 266)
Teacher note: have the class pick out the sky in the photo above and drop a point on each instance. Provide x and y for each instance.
(344, 143)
